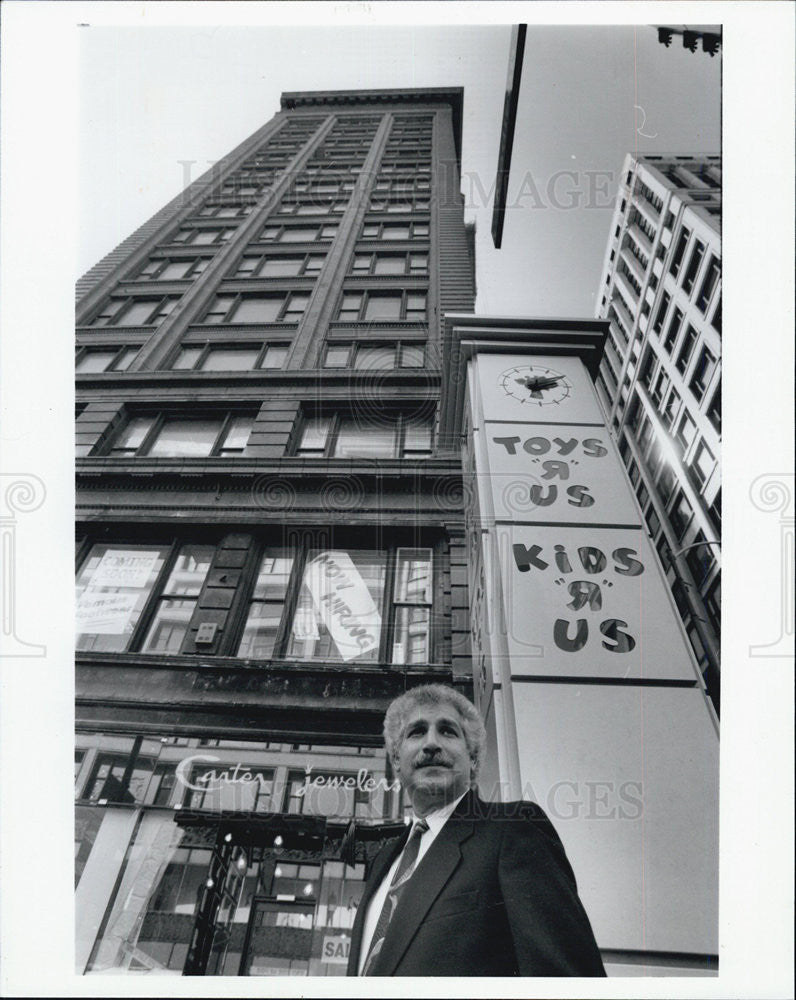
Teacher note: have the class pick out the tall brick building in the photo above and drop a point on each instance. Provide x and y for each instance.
(270, 540)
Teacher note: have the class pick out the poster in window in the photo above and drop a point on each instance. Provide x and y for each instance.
(343, 603)
(120, 568)
(100, 613)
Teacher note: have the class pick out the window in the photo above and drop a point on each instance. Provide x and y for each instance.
(714, 410)
(229, 357)
(231, 308)
(172, 436)
(703, 373)
(715, 321)
(135, 311)
(679, 251)
(673, 330)
(715, 511)
(702, 464)
(225, 211)
(390, 263)
(653, 522)
(266, 605)
(202, 237)
(379, 306)
(112, 779)
(661, 385)
(680, 515)
(353, 436)
(708, 284)
(693, 266)
(176, 602)
(686, 349)
(113, 588)
(376, 357)
(391, 231)
(700, 559)
(327, 793)
(297, 234)
(712, 601)
(647, 367)
(341, 604)
(104, 359)
(666, 483)
(686, 431)
(174, 269)
(279, 267)
(657, 325)
(671, 408)
(251, 791)
(399, 206)
(313, 207)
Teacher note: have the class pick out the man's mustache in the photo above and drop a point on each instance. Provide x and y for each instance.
(431, 760)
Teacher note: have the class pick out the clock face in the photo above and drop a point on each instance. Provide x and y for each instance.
(535, 385)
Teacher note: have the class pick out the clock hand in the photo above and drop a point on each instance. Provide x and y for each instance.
(537, 382)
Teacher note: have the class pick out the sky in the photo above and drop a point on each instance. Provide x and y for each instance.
(157, 104)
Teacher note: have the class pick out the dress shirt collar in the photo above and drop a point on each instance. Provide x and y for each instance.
(437, 819)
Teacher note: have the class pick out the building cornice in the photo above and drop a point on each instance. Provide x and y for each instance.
(465, 334)
(453, 96)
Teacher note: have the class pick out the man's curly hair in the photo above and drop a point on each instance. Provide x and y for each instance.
(434, 694)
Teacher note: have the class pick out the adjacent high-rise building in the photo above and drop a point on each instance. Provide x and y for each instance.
(660, 377)
(270, 539)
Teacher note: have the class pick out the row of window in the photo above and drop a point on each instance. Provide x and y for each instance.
(342, 434)
(285, 266)
(251, 356)
(151, 782)
(285, 233)
(306, 602)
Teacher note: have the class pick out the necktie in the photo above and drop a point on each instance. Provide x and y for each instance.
(402, 875)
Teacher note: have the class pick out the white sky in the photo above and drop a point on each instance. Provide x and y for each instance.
(152, 98)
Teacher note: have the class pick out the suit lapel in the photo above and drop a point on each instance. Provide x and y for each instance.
(436, 867)
(381, 865)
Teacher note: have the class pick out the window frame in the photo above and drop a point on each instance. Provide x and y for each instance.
(172, 547)
(332, 434)
(702, 375)
(283, 227)
(380, 225)
(83, 350)
(208, 346)
(354, 347)
(304, 270)
(374, 294)
(159, 265)
(223, 235)
(375, 255)
(307, 541)
(159, 418)
(284, 315)
(155, 316)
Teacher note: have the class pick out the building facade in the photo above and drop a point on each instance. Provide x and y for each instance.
(270, 537)
(660, 378)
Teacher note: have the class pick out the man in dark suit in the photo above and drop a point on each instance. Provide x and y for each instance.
(473, 888)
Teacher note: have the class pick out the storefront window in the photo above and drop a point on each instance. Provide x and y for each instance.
(170, 881)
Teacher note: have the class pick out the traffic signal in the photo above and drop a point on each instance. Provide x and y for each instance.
(665, 36)
(711, 43)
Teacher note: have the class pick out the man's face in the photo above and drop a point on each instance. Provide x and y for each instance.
(434, 764)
